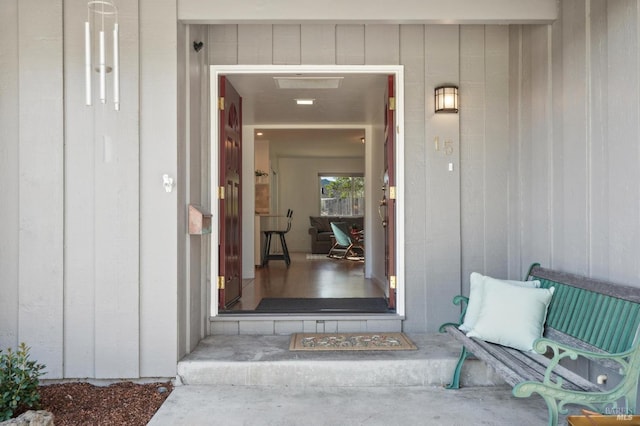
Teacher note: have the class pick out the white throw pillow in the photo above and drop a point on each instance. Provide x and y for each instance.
(512, 316)
(477, 283)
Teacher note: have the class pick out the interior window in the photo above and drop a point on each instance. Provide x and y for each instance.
(342, 195)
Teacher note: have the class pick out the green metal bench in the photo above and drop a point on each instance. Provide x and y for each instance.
(587, 318)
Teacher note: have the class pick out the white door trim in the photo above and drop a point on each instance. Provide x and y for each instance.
(397, 70)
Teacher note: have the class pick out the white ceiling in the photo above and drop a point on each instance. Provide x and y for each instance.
(357, 101)
(306, 130)
(339, 143)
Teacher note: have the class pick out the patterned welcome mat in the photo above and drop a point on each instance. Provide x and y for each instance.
(351, 342)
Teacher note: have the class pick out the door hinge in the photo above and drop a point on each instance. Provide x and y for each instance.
(221, 192)
(392, 103)
(221, 103)
(220, 283)
(392, 192)
(392, 282)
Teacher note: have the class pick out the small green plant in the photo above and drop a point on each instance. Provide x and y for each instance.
(18, 382)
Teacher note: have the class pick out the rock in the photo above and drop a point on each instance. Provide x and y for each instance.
(177, 381)
(31, 418)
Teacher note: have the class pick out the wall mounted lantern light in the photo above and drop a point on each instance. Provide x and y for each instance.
(97, 12)
(446, 99)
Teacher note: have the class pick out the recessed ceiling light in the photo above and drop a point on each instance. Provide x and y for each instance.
(308, 82)
(304, 101)
(259, 134)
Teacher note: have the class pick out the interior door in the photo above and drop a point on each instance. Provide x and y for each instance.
(388, 202)
(230, 185)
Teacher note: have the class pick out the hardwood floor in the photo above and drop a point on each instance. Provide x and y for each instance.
(312, 276)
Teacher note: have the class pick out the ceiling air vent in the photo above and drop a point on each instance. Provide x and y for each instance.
(308, 82)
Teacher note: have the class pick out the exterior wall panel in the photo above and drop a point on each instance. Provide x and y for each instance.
(578, 134)
(255, 44)
(538, 201)
(431, 56)
(412, 57)
(496, 159)
(598, 129)
(350, 45)
(474, 190)
(382, 44)
(575, 141)
(623, 136)
(159, 227)
(222, 44)
(41, 181)
(81, 153)
(318, 44)
(286, 45)
(441, 265)
(9, 172)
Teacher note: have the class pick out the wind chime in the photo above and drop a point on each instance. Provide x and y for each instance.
(97, 12)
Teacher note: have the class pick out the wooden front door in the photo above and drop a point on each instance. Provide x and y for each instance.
(388, 202)
(230, 193)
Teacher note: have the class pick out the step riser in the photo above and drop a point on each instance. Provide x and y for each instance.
(335, 373)
(232, 325)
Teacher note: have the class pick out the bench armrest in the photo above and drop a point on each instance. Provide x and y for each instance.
(457, 300)
(561, 351)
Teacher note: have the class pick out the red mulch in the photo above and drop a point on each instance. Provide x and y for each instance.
(122, 403)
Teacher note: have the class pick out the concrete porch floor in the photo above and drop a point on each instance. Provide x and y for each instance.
(256, 380)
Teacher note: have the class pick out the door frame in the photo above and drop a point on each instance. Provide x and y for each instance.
(396, 70)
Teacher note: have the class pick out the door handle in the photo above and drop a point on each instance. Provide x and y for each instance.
(383, 203)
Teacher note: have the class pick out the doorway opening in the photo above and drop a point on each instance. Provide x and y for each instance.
(311, 275)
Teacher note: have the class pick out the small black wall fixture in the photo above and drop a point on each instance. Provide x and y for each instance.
(197, 45)
(446, 98)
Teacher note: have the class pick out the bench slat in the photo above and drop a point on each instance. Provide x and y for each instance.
(561, 337)
(581, 310)
(570, 294)
(570, 379)
(592, 318)
(508, 375)
(516, 367)
(528, 368)
(580, 323)
(627, 327)
(615, 312)
(618, 291)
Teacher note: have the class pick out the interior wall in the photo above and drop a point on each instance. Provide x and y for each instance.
(576, 130)
(268, 152)
(298, 189)
(431, 55)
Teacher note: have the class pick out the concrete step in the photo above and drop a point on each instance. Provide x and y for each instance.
(266, 361)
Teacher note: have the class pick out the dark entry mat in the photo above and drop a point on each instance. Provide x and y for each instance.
(323, 305)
